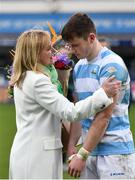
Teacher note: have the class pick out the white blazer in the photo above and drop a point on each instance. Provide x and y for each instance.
(37, 149)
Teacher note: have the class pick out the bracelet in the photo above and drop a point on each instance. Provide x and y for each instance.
(70, 158)
(83, 153)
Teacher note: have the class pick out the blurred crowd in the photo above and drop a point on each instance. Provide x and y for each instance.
(3, 86)
(4, 98)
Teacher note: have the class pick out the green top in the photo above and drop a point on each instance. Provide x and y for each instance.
(51, 71)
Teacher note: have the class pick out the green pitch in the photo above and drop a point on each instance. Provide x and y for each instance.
(8, 129)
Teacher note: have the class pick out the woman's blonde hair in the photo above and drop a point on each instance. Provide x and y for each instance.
(28, 48)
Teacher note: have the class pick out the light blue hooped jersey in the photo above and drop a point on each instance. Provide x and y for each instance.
(88, 77)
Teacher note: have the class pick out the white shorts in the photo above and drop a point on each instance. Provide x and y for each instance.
(109, 167)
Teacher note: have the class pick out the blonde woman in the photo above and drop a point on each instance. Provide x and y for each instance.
(37, 149)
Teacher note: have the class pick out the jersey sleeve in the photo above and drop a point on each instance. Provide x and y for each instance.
(113, 69)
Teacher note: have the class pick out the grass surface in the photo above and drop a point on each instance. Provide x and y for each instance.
(132, 119)
(8, 129)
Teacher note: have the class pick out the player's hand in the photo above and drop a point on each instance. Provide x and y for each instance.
(76, 166)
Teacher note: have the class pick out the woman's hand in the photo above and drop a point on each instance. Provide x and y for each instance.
(111, 86)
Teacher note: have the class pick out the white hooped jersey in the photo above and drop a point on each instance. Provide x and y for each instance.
(88, 77)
